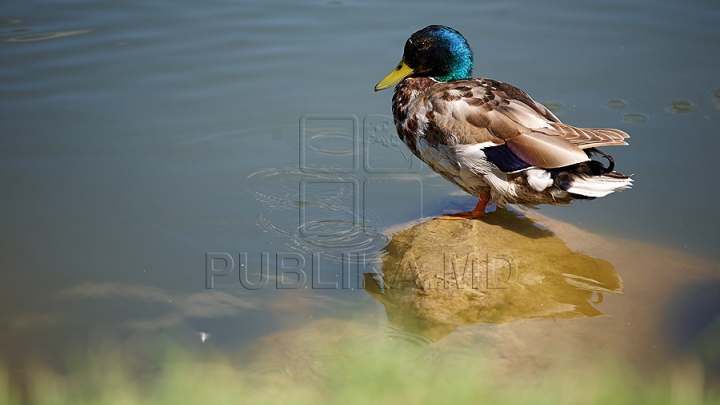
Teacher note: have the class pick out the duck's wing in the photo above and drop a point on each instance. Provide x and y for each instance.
(589, 137)
(483, 111)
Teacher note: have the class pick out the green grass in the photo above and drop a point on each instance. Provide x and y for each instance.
(379, 374)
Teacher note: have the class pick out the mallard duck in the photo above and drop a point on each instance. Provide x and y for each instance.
(490, 138)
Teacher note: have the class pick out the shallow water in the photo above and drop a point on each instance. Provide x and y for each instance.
(140, 140)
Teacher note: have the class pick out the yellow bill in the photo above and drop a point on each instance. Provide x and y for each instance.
(401, 71)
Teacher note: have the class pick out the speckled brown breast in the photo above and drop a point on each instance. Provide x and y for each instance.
(406, 122)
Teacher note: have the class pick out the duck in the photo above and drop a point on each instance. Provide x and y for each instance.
(490, 138)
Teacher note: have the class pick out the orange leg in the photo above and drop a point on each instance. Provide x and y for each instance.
(477, 212)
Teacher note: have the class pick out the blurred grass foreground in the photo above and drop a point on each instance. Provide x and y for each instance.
(347, 370)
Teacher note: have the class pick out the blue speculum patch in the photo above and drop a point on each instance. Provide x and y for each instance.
(504, 159)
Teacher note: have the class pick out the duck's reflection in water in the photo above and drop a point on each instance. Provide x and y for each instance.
(441, 274)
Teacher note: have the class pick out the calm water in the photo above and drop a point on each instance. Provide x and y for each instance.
(137, 137)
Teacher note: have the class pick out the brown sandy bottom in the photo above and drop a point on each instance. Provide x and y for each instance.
(521, 293)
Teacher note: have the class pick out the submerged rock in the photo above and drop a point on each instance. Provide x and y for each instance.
(440, 274)
(651, 324)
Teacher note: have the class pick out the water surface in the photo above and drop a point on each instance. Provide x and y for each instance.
(136, 138)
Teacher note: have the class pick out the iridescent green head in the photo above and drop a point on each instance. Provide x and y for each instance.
(435, 51)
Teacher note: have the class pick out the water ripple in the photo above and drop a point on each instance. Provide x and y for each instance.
(555, 107)
(41, 36)
(615, 104)
(680, 107)
(331, 143)
(311, 211)
(635, 118)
